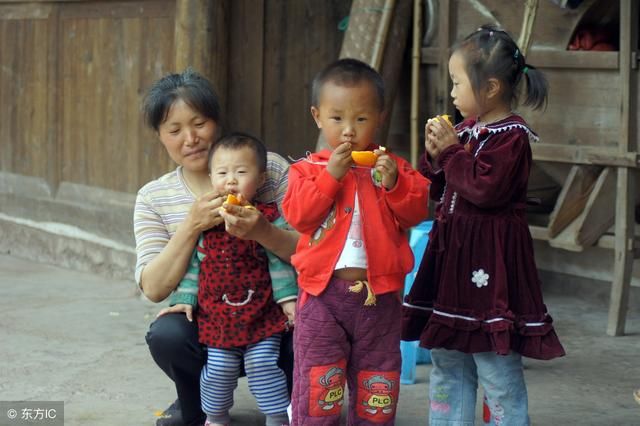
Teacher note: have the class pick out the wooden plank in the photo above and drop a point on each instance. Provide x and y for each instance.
(301, 38)
(156, 57)
(623, 254)
(117, 9)
(573, 197)
(443, 100)
(430, 55)
(625, 201)
(606, 241)
(598, 215)
(247, 65)
(567, 59)
(192, 41)
(53, 101)
(219, 59)
(563, 153)
(415, 122)
(23, 11)
(566, 239)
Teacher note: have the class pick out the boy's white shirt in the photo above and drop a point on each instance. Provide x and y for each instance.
(353, 253)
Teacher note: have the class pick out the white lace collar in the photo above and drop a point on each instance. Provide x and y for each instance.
(505, 125)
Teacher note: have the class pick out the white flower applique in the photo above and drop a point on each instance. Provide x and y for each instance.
(480, 278)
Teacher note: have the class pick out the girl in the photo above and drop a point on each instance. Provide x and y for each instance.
(476, 300)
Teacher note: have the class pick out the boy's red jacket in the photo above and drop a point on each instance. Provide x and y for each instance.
(319, 207)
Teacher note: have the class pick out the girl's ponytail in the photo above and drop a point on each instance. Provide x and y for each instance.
(537, 87)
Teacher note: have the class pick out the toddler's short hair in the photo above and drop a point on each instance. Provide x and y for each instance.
(237, 140)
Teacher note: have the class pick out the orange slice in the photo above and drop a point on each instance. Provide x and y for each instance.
(364, 158)
(233, 200)
(446, 118)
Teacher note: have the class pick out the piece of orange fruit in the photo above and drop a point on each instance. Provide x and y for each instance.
(446, 118)
(364, 158)
(232, 200)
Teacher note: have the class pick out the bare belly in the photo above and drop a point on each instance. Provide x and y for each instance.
(351, 274)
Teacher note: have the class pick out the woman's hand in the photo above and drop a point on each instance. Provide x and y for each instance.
(176, 309)
(205, 211)
(388, 168)
(340, 161)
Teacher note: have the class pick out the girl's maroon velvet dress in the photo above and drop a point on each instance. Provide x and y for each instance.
(477, 288)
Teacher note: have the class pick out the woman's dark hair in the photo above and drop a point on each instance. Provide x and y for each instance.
(347, 72)
(189, 86)
(491, 53)
(238, 140)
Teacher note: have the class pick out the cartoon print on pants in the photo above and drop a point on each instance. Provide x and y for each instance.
(326, 395)
(378, 395)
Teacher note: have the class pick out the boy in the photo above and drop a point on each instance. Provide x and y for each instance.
(352, 255)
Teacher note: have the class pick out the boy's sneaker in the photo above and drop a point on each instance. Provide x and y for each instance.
(172, 416)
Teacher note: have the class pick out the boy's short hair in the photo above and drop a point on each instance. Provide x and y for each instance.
(237, 140)
(347, 72)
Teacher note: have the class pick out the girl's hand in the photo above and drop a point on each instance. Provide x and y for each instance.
(244, 223)
(388, 168)
(438, 136)
(289, 309)
(340, 161)
(205, 211)
(444, 134)
(176, 309)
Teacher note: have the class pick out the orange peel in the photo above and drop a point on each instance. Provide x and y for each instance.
(364, 158)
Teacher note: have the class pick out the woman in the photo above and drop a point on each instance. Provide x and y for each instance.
(172, 211)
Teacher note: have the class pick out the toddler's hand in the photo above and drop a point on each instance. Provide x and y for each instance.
(340, 161)
(388, 168)
(289, 309)
(175, 309)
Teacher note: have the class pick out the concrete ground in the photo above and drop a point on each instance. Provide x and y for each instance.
(79, 338)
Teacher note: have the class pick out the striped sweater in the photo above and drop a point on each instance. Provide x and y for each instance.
(164, 203)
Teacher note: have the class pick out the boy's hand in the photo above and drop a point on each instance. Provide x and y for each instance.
(289, 309)
(388, 168)
(340, 161)
(175, 309)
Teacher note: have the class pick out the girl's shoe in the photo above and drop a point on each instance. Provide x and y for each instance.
(636, 395)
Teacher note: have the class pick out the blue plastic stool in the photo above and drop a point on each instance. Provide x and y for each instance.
(412, 354)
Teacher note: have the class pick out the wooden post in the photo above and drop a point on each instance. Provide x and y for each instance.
(415, 82)
(54, 102)
(444, 38)
(201, 40)
(625, 194)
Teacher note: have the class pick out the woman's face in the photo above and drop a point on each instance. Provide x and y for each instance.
(187, 136)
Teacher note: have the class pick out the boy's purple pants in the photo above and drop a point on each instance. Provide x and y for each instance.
(338, 338)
